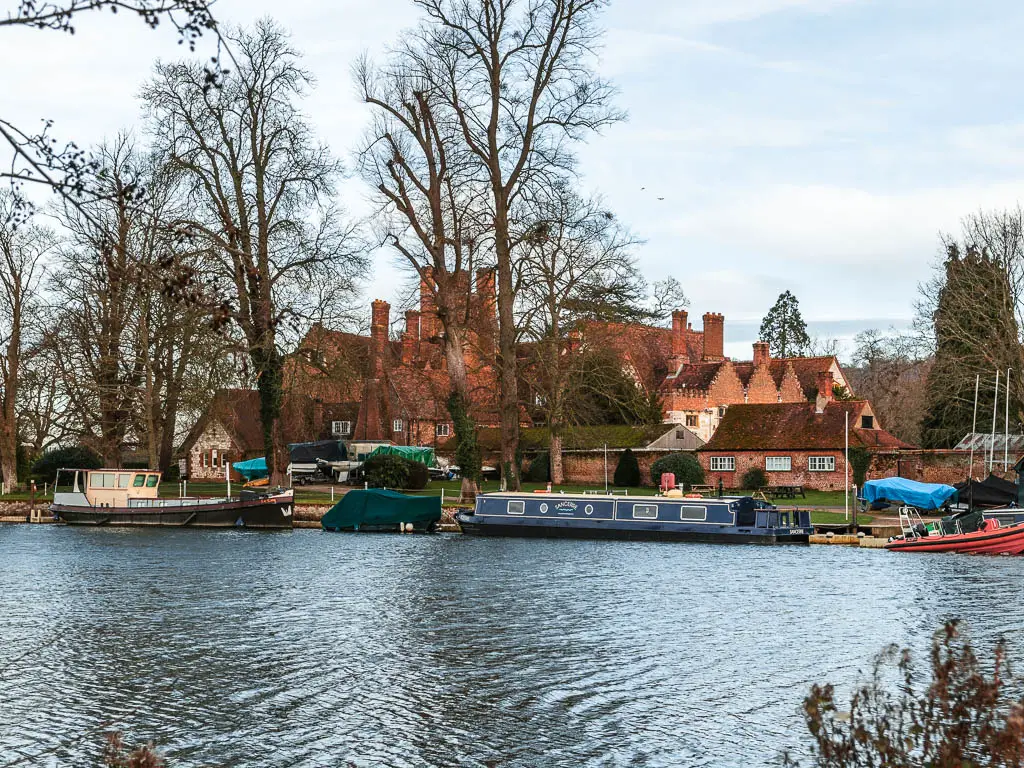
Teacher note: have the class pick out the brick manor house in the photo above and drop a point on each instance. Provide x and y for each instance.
(377, 388)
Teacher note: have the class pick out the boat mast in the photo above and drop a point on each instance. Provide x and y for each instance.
(1006, 426)
(974, 425)
(995, 410)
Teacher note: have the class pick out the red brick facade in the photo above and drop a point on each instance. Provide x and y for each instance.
(794, 443)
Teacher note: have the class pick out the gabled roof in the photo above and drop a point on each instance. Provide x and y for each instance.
(694, 376)
(796, 427)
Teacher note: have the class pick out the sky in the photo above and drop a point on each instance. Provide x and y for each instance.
(816, 146)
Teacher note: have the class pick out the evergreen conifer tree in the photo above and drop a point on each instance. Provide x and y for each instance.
(627, 472)
(784, 329)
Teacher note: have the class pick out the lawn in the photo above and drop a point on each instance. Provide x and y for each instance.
(451, 489)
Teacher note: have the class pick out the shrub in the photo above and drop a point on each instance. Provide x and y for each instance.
(627, 472)
(961, 717)
(539, 470)
(419, 475)
(753, 479)
(684, 466)
(386, 471)
(75, 457)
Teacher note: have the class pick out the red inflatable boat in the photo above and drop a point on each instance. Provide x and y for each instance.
(989, 539)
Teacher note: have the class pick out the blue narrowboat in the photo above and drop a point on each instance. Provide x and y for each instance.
(735, 519)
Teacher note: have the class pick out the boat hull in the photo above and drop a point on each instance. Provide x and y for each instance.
(476, 527)
(1001, 541)
(272, 512)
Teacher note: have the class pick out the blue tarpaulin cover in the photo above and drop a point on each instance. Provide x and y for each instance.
(909, 492)
(253, 469)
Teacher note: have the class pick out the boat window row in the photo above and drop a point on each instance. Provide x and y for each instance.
(122, 480)
(640, 511)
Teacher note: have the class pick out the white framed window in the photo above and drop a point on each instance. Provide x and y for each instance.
(341, 427)
(397, 425)
(778, 463)
(443, 430)
(516, 507)
(206, 458)
(213, 458)
(645, 511)
(821, 463)
(693, 513)
(692, 420)
(723, 463)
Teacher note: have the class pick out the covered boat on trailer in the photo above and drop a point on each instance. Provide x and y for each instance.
(732, 519)
(132, 497)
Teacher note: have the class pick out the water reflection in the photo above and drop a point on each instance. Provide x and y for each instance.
(304, 649)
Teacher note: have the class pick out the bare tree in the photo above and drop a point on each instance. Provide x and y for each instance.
(38, 158)
(22, 252)
(261, 188)
(888, 370)
(430, 204)
(576, 267)
(518, 75)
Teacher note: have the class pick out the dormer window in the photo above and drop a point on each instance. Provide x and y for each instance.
(867, 422)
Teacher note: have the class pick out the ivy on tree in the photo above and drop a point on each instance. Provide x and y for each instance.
(784, 329)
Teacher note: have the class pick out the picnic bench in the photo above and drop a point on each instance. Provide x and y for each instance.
(782, 491)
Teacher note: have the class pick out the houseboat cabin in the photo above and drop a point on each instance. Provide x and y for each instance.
(739, 519)
(107, 487)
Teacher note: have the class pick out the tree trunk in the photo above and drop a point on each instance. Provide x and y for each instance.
(467, 452)
(507, 368)
(555, 452)
(269, 384)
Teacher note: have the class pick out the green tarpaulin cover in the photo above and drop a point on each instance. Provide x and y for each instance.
(377, 507)
(422, 455)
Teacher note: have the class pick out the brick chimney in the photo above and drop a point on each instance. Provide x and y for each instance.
(762, 353)
(429, 324)
(379, 319)
(824, 379)
(411, 337)
(679, 334)
(485, 285)
(714, 337)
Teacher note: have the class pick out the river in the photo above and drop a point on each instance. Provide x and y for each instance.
(235, 648)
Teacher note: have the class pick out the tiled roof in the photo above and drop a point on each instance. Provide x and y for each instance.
(794, 427)
(698, 376)
(238, 411)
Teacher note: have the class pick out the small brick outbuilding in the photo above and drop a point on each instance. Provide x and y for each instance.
(793, 443)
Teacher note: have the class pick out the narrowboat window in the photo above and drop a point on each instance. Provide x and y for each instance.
(516, 507)
(123, 479)
(645, 511)
(543, 507)
(589, 509)
(139, 481)
(693, 513)
(151, 481)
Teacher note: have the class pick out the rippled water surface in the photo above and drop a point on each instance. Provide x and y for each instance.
(310, 649)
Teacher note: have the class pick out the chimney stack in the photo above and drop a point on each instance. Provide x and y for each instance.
(411, 337)
(679, 333)
(429, 325)
(762, 353)
(379, 318)
(824, 397)
(714, 337)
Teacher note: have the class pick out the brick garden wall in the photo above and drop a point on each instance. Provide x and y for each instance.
(587, 467)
